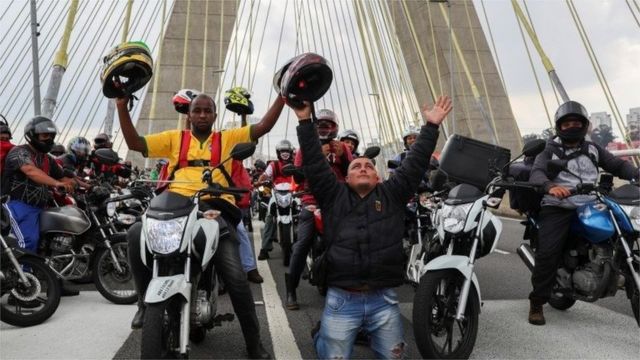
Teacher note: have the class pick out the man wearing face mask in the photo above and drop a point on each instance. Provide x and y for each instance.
(30, 172)
(558, 205)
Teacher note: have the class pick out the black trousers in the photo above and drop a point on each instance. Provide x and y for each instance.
(554, 223)
(228, 265)
(302, 246)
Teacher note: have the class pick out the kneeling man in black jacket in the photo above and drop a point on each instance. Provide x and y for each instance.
(363, 227)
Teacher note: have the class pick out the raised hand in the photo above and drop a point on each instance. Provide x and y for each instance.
(439, 111)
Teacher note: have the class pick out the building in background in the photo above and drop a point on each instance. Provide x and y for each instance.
(600, 118)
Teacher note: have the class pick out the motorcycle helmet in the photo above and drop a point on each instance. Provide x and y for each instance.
(408, 132)
(4, 126)
(284, 151)
(327, 124)
(260, 165)
(57, 150)
(351, 135)
(182, 100)
(237, 101)
(79, 146)
(572, 110)
(102, 141)
(130, 61)
(40, 125)
(306, 77)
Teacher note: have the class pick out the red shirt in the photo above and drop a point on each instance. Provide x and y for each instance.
(338, 165)
(5, 146)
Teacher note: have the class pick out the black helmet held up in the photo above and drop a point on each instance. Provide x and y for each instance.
(4, 126)
(40, 125)
(306, 77)
(572, 110)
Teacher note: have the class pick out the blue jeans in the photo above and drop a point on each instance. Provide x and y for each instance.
(25, 224)
(246, 249)
(345, 312)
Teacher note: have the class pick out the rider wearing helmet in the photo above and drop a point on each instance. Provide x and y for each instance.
(58, 150)
(110, 172)
(558, 205)
(5, 142)
(409, 136)
(259, 166)
(352, 140)
(77, 155)
(30, 172)
(285, 153)
(339, 157)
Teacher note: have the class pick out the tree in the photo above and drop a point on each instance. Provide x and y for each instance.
(529, 137)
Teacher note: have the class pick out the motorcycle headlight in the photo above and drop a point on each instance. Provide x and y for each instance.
(453, 217)
(164, 236)
(633, 212)
(283, 200)
(126, 219)
(111, 208)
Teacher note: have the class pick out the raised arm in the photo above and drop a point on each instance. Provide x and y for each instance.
(134, 141)
(268, 120)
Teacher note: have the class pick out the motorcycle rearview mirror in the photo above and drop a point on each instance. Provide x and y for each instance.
(534, 147)
(107, 156)
(243, 151)
(371, 152)
(393, 164)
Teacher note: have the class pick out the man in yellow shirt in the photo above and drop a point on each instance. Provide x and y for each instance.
(202, 115)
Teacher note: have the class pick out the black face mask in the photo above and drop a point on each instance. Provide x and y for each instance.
(572, 134)
(43, 146)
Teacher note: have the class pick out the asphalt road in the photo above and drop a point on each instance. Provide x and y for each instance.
(88, 326)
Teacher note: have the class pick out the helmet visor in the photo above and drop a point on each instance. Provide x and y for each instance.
(45, 127)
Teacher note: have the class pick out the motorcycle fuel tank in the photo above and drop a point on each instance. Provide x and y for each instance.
(594, 222)
(65, 219)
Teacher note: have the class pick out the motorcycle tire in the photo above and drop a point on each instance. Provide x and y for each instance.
(634, 296)
(433, 312)
(116, 287)
(40, 271)
(161, 330)
(284, 238)
(560, 302)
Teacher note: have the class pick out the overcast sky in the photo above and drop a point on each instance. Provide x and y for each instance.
(612, 30)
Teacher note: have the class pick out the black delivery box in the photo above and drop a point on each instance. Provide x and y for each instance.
(466, 160)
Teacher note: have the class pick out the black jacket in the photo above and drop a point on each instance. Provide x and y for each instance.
(364, 235)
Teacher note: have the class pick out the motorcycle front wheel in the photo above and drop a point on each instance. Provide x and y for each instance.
(285, 242)
(117, 287)
(438, 334)
(32, 304)
(161, 330)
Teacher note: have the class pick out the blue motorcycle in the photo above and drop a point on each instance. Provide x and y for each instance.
(602, 255)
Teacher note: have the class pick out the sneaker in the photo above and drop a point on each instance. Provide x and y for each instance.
(536, 315)
(254, 276)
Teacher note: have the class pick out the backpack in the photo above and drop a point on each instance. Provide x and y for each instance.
(239, 176)
(528, 200)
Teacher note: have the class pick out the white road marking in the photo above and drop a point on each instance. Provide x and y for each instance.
(502, 252)
(284, 343)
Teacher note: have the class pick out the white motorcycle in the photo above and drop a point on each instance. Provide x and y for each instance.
(181, 297)
(284, 207)
(447, 300)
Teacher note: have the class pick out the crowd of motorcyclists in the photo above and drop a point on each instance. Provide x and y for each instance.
(366, 264)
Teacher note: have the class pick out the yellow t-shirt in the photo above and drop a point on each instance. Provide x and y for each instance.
(189, 179)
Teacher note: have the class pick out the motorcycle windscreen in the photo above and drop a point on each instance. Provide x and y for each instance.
(593, 222)
(65, 219)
